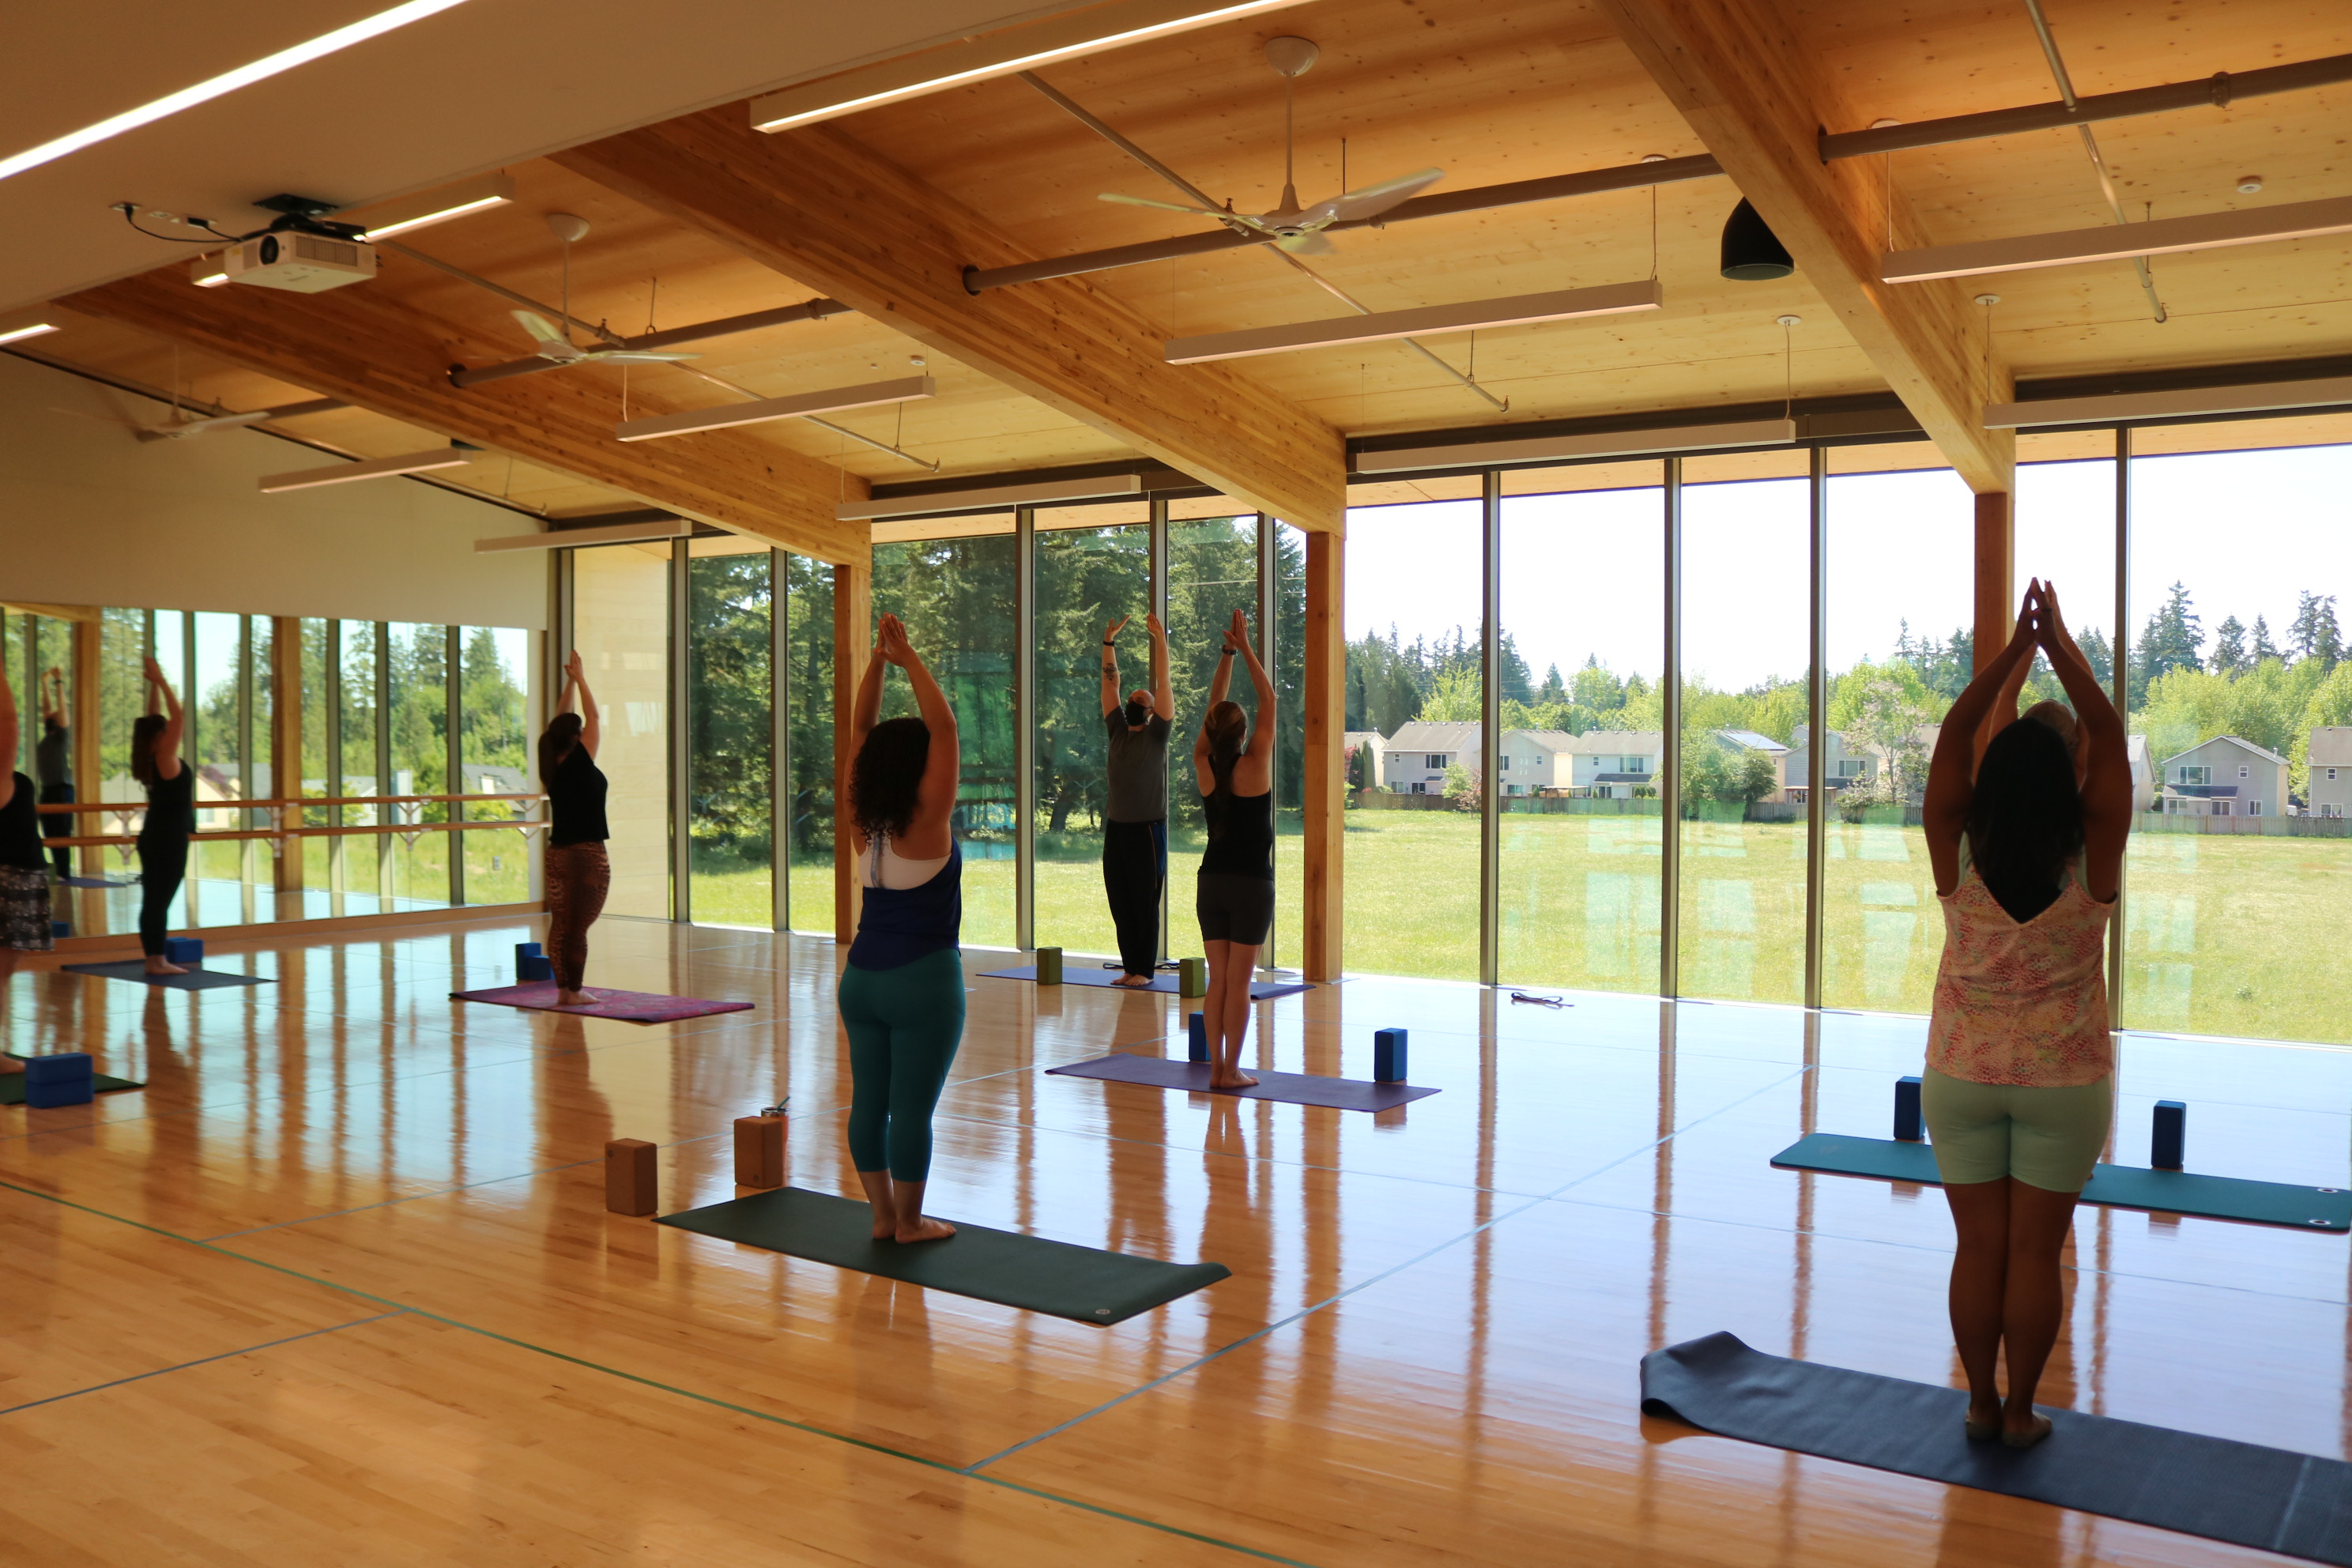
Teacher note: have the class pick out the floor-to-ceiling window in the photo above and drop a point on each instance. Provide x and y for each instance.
(1900, 558)
(1287, 569)
(1093, 567)
(730, 731)
(1583, 644)
(621, 597)
(1746, 637)
(493, 705)
(808, 683)
(1413, 628)
(419, 712)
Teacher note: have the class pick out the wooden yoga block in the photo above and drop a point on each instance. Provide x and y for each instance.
(630, 1177)
(1193, 976)
(1049, 966)
(759, 1150)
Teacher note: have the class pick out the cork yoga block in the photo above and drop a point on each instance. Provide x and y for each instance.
(630, 1177)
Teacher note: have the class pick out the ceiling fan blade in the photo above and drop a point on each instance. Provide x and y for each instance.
(553, 344)
(1371, 200)
(218, 422)
(636, 356)
(1164, 206)
(1311, 243)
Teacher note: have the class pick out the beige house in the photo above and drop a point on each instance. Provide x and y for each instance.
(2328, 792)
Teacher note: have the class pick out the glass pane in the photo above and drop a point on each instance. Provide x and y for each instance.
(732, 739)
(1286, 942)
(215, 730)
(621, 611)
(1892, 672)
(121, 699)
(1584, 658)
(419, 711)
(1211, 573)
(955, 597)
(808, 631)
(2236, 890)
(1413, 692)
(494, 740)
(1087, 578)
(17, 633)
(1746, 567)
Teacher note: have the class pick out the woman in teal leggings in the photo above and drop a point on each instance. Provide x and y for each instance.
(902, 995)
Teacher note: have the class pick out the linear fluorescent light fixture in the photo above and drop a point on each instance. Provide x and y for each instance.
(30, 330)
(373, 469)
(1426, 320)
(991, 495)
(906, 389)
(1563, 448)
(385, 219)
(208, 271)
(1022, 48)
(2119, 242)
(611, 533)
(2262, 397)
(325, 43)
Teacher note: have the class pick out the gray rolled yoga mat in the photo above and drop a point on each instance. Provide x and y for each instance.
(2297, 1504)
(1291, 1088)
(2322, 1209)
(1083, 1284)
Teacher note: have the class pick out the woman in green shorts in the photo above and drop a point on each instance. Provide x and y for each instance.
(2020, 1086)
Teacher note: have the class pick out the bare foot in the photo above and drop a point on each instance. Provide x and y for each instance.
(159, 966)
(575, 999)
(926, 1229)
(1237, 1080)
(1133, 981)
(886, 1224)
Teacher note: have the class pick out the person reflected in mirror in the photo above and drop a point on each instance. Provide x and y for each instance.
(577, 874)
(1232, 765)
(171, 816)
(53, 760)
(1135, 811)
(902, 995)
(24, 869)
(2018, 1086)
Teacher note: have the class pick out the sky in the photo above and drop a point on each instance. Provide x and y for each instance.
(1582, 574)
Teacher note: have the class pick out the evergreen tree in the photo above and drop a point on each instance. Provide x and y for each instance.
(2171, 641)
(2263, 647)
(2230, 647)
(2101, 658)
(1552, 692)
(2314, 634)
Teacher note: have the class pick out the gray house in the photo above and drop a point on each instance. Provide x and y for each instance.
(1413, 761)
(2329, 790)
(1841, 768)
(1612, 765)
(2225, 776)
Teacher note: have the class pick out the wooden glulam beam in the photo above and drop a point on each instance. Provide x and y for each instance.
(830, 213)
(366, 348)
(1756, 96)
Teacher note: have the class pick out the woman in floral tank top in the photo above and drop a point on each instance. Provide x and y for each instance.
(2028, 856)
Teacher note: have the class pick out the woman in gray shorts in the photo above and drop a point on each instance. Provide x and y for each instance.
(2019, 1084)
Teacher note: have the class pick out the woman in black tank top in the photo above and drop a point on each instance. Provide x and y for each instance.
(1232, 762)
(171, 816)
(23, 875)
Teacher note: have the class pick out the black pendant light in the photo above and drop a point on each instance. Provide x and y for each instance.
(1752, 252)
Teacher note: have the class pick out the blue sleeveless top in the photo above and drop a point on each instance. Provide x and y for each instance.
(899, 925)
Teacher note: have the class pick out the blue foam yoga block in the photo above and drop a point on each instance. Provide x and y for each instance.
(1196, 1035)
(61, 928)
(530, 967)
(2167, 1141)
(1908, 1127)
(1388, 1056)
(184, 950)
(528, 950)
(65, 1078)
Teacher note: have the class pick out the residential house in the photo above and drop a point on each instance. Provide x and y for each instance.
(2143, 775)
(1841, 768)
(2328, 792)
(1612, 765)
(1413, 761)
(2225, 776)
(1530, 762)
(1743, 743)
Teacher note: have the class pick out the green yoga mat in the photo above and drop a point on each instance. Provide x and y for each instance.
(12, 1085)
(2114, 1186)
(1079, 1283)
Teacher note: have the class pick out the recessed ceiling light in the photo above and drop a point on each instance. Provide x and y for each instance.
(2247, 185)
(17, 335)
(226, 82)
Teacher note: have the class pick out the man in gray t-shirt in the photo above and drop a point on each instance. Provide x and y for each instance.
(1135, 820)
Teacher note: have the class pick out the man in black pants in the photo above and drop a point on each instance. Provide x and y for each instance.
(53, 760)
(1134, 824)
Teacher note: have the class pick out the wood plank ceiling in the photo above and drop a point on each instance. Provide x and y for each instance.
(1490, 92)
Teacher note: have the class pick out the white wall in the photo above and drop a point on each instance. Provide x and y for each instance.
(90, 515)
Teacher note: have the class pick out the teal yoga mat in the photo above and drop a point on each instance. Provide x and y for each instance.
(2112, 1186)
(1080, 1283)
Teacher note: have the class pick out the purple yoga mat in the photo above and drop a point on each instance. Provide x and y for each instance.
(1290, 1088)
(636, 1006)
(1260, 990)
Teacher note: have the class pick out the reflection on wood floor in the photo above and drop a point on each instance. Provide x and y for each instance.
(339, 1286)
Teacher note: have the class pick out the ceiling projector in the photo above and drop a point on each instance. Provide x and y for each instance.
(302, 251)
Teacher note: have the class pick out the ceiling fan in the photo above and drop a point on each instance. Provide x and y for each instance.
(188, 426)
(555, 342)
(1292, 228)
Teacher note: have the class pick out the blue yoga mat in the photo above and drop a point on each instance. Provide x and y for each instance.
(135, 969)
(2111, 1186)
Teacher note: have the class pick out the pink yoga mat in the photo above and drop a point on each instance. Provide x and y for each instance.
(636, 1007)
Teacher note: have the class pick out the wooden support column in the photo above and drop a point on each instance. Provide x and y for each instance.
(853, 639)
(82, 708)
(1996, 575)
(286, 738)
(1324, 788)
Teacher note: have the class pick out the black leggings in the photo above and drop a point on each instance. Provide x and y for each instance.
(162, 866)
(1135, 869)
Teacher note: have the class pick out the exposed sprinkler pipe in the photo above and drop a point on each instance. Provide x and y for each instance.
(2091, 146)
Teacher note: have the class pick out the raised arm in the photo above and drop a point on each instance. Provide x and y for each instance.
(1113, 699)
(934, 798)
(1163, 689)
(53, 694)
(1951, 773)
(590, 730)
(1261, 741)
(2004, 709)
(2106, 776)
(167, 744)
(866, 711)
(7, 738)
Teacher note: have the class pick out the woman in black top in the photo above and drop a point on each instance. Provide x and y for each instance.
(53, 760)
(578, 875)
(171, 817)
(24, 878)
(1234, 764)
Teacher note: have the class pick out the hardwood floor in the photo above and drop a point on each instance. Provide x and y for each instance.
(338, 1285)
